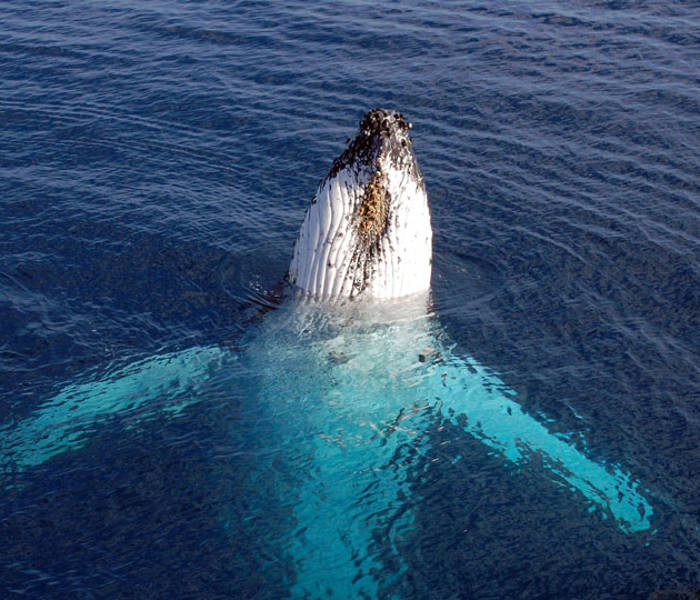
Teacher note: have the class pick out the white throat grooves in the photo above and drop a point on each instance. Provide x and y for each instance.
(410, 236)
(326, 238)
(367, 232)
(333, 261)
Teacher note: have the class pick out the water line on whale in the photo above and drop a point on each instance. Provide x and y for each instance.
(357, 332)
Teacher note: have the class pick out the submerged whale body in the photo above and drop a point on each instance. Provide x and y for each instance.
(350, 371)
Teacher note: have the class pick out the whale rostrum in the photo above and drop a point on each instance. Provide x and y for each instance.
(367, 232)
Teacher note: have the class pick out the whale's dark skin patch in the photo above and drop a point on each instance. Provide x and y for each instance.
(373, 211)
(382, 133)
(372, 221)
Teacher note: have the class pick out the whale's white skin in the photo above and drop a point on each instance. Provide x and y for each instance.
(350, 386)
(367, 232)
(323, 256)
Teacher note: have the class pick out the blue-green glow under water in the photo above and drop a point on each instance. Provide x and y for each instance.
(348, 391)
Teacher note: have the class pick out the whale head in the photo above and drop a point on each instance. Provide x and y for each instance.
(367, 233)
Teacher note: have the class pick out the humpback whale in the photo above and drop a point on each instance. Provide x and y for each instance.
(349, 372)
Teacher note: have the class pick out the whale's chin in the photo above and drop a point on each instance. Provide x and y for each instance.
(367, 233)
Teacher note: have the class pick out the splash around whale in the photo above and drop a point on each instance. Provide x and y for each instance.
(349, 373)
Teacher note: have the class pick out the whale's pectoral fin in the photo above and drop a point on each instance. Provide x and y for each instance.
(66, 421)
(482, 405)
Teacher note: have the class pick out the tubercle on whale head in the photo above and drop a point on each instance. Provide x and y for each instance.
(382, 133)
(367, 233)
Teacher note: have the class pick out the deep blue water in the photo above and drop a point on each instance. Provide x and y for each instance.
(156, 159)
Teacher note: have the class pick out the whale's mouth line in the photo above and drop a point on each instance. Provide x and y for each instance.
(367, 231)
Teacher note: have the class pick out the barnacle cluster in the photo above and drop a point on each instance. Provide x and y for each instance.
(373, 209)
(380, 131)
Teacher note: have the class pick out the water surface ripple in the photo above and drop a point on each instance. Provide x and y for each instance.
(155, 162)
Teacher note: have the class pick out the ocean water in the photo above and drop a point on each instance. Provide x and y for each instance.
(156, 159)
